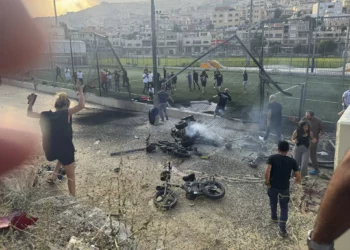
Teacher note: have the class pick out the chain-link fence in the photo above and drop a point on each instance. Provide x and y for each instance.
(306, 57)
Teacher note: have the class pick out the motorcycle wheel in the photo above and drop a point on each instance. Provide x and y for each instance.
(181, 125)
(213, 190)
(165, 201)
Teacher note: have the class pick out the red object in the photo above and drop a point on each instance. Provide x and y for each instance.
(21, 220)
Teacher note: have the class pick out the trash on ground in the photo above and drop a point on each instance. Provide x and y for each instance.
(97, 142)
(136, 137)
(19, 220)
(322, 153)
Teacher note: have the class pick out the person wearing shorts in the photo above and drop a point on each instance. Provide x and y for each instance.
(56, 128)
(223, 98)
(204, 78)
(80, 77)
(219, 79)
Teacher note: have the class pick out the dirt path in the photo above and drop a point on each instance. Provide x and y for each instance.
(239, 221)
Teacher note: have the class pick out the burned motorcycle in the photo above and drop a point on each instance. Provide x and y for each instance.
(165, 198)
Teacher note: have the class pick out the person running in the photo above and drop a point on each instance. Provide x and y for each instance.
(316, 127)
(163, 103)
(189, 80)
(346, 99)
(56, 128)
(274, 119)
(219, 79)
(223, 97)
(245, 80)
(302, 137)
(279, 169)
(195, 80)
(117, 81)
(204, 78)
(145, 81)
(80, 77)
(67, 75)
(58, 73)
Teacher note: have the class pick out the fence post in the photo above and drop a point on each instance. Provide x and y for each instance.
(261, 61)
(302, 100)
(346, 50)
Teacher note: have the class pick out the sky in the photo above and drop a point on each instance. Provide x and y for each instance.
(45, 7)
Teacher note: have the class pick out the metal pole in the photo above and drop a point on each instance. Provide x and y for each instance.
(71, 56)
(52, 68)
(261, 61)
(315, 40)
(346, 50)
(249, 32)
(54, 5)
(97, 67)
(158, 56)
(301, 100)
(154, 44)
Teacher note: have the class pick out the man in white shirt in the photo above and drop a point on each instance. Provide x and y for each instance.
(150, 78)
(80, 77)
(67, 75)
(346, 99)
(145, 81)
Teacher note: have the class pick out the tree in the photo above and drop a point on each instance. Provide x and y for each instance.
(277, 13)
(275, 47)
(300, 49)
(256, 43)
(327, 46)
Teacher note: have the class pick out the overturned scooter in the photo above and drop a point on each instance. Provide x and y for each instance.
(165, 198)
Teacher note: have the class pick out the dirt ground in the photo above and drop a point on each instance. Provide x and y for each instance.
(241, 220)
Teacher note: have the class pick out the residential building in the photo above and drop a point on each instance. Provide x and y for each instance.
(259, 13)
(346, 6)
(225, 17)
(336, 21)
(331, 8)
(196, 42)
(274, 32)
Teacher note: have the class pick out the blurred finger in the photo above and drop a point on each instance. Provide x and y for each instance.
(15, 147)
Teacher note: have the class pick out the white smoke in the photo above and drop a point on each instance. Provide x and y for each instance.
(193, 128)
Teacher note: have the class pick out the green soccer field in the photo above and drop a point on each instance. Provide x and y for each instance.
(297, 62)
(323, 94)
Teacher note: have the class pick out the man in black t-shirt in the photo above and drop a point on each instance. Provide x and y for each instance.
(223, 97)
(278, 172)
(274, 119)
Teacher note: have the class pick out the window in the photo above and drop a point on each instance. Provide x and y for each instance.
(230, 20)
(220, 21)
(138, 45)
(171, 43)
(330, 6)
(197, 42)
(214, 21)
(230, 15)
(220, 15)
(187, 42)
(205, 42)
(129, 45)
(236, 14)
(214, 16)
(236, 20)
(278, 35)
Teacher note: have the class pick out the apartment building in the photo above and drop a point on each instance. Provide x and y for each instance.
(346, 6)
(331, 8)
(274, 32)
(259, 13)
(225, 17)
(196, 42)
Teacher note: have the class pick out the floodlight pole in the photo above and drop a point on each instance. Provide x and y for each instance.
(54, 5)
(154, 45)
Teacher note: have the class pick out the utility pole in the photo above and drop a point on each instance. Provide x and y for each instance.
(346, 49)
(315, 39)
(154, 45)
(249, 32)
(71, 54)
(97, 66)
(54, 5)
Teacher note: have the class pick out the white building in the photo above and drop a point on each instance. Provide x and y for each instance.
(196, 42)
(330, 8)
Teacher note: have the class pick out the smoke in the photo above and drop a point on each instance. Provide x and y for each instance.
(193, 128)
